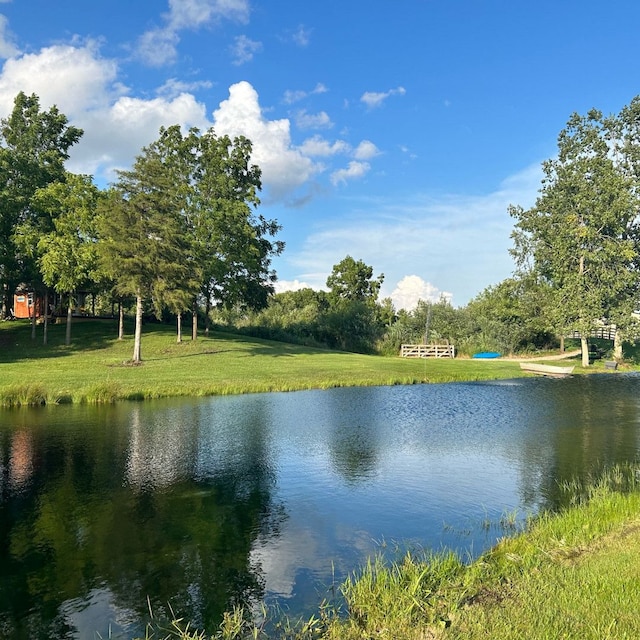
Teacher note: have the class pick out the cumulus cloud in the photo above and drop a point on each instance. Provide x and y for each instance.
(318, 146)
(366, 150)
(281, 286)
(76, 79)
(411, 289)
(319, 120)
(158, 46)
(374, 99)
(354, 170)
(243, 50)
(84, 86)
(115, 134)
(284, 167)
(8, 47)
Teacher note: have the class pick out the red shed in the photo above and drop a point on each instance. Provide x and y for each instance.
(27, 303)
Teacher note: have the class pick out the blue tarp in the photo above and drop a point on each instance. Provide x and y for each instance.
(487, 354)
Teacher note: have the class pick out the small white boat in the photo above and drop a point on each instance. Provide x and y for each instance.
(547, 369)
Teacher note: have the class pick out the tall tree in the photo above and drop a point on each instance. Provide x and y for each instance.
(34, 145)
(234, 244)
(67, 254)
(581, 236)
(144, 242)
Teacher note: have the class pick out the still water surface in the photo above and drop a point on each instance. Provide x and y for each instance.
(198, 504)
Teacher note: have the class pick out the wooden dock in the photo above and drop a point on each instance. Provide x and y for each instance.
(427, 351)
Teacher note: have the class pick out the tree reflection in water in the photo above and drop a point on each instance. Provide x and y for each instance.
(88, 525)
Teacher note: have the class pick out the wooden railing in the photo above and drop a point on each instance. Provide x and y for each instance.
(605, 333)
(427, 351)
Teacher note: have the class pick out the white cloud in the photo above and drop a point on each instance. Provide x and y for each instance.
(284, 167)
(459, 243)
(8, 47)
(291, 96)
(115, 134)
(158, 46)
(281, 286)
(76, 79)
(243, 49)
(366, 150)
(318, 146)
(373, 99)
(301, 36)
(354, 170)
(319, 120)
(173, 87)
(412, 289)
(191, 14)
(84, 87)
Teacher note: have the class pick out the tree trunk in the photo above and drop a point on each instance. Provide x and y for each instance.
(45, 336)
(32, 314)
(207, 319)
(617, 346)
(120, 320)
(138, 333)
(562, 344)
(4, 312)
(194, 321)
(179, 321)
(67, 335)
(584, 344)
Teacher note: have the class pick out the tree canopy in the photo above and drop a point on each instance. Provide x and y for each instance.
(34, 145)
(180, 225)
(582, 235)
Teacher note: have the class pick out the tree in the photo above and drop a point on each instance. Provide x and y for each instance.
(67, 254)
(512, 315)
(234, 245)
(581, 236)
(354, 321)
(144, 242)
(353, 280)
(34, 145)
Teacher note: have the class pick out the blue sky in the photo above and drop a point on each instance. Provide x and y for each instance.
(395, 132)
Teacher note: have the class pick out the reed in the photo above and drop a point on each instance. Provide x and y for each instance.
(20, 395)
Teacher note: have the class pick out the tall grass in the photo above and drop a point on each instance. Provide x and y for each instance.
(20, 395)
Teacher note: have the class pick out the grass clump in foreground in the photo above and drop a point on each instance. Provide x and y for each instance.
(572, 575)
(95, 368)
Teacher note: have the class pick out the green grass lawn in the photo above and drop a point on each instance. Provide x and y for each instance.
(96, 367)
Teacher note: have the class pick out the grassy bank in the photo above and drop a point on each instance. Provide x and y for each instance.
(573, 575)
(95, 367)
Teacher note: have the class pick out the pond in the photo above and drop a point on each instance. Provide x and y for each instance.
(195, 504)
